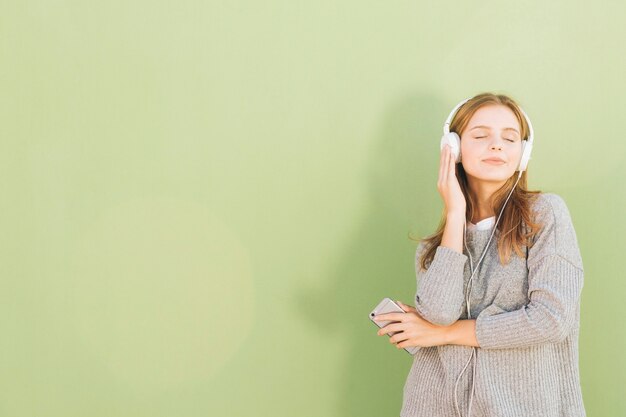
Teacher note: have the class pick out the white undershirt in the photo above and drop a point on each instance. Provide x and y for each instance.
(484, 224)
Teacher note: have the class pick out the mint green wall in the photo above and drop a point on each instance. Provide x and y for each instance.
(202, 201)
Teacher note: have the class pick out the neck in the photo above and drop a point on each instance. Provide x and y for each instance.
(482, 192)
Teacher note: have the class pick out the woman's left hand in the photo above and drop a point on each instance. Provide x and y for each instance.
(412, 329)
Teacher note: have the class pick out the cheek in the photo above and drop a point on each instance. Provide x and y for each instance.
(471, 158)
(515, 153)
(471, 150)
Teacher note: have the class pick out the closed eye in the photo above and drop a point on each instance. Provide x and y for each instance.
(481, 137)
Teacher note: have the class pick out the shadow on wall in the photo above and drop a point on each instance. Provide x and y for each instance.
(402, 179)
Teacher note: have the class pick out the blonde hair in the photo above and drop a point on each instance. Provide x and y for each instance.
(516, 226)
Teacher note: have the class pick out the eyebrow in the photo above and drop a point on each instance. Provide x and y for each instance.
(487, 127)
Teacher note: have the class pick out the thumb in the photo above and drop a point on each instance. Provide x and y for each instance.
(406, 307)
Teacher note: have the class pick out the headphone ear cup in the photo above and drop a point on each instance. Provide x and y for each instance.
(454, 141)
(527, 148)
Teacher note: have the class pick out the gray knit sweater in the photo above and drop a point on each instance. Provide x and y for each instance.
(527, 324)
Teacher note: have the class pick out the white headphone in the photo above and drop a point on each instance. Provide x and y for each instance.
(454, 141)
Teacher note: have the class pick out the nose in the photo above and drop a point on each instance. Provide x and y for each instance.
(496, 145)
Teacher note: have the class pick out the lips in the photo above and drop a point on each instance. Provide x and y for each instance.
(494, 161)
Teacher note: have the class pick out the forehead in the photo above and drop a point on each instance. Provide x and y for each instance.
(496, 116)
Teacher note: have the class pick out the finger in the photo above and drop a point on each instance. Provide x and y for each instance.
(446, 163)
(398, 338)
(403, 344)
(406, 308)
(390, 328)
(442, 164)
(390, 316)
(452, 166)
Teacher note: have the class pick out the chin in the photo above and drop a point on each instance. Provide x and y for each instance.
(491, 176)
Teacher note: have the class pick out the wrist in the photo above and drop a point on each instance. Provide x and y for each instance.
(462, 333)
(449, 333)
(458, 214)
(453, 233)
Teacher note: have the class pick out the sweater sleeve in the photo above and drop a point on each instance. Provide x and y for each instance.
(439, 297)
(555, 281)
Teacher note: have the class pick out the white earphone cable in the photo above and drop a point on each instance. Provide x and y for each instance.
(467, 300)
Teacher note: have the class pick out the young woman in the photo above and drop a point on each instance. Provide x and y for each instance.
(510, 306)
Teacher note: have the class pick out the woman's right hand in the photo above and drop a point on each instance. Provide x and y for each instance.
(448, 184)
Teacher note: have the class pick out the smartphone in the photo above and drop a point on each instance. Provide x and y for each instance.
(387, 305)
